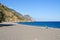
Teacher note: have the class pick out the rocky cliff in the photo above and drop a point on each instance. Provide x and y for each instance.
(10, 15)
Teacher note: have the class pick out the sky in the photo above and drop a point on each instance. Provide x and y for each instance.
(39, 10)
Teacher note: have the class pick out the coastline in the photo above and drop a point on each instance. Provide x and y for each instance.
(27, 32)
(43, 27)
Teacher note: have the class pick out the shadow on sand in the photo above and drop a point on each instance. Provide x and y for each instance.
(2, 25)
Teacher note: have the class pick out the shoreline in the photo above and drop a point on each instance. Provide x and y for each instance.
(30, 25)
(43, 27)
(40, 26)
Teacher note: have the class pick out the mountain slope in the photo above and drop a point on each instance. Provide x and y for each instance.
(10, 15)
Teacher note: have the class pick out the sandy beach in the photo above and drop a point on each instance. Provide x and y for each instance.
(26, 32)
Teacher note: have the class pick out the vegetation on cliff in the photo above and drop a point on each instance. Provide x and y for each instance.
(10, 15)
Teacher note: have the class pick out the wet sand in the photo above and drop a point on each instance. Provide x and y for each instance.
(26, 32)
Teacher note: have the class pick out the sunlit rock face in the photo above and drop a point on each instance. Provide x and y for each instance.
(10, 15)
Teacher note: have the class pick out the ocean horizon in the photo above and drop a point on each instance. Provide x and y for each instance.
(52, 24)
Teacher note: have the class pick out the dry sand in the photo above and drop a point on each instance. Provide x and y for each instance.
(25, 32)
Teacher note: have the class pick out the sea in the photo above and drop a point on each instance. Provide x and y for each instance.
(42, 24)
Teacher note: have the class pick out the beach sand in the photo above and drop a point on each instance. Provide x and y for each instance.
(26, 32)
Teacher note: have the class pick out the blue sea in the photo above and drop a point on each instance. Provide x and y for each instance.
(42, 24)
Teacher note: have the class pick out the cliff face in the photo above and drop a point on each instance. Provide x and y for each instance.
(28, 17)
(10, 15)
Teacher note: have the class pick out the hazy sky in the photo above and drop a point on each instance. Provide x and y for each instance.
(40, 10)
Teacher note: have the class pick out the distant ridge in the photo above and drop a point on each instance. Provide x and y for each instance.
(10, 15)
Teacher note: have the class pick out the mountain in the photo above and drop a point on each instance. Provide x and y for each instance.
(10, 15)
(28, 17)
